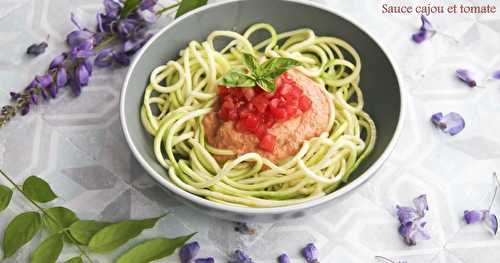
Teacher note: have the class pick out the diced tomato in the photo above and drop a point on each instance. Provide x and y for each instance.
(255, 111)
(268, 143)
(249, 93)
(304, 103)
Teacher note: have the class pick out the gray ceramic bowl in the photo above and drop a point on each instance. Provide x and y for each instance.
(379, 81)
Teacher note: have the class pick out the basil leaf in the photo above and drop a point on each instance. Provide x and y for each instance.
(20, 231)
(74, 260)
(84, 230)
(49, 250)
(277, 66)
(251, 62)
(266, 84)
(5, 197)
(129, 6)
(118, 234)
(64, 218)
(38, 190)
(188, 5)
(153, 249)
(236, 78)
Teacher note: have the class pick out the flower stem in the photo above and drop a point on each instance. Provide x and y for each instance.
(105, 43)
(47, 215)
(164, 9)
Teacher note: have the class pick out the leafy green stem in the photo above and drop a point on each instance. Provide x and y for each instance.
(82, 251)
(164, 9)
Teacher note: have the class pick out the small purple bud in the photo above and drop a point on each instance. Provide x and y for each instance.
(239, 256)
(283, 258)
(61, 77)
(44, 80)
(57, 61)
(310, 253)
(188, 252)
(53, 91)
(25, 109)
(79, 38)
(465, 76)
(419, 37)
(82, 75)
(37, 49)
(14, 96)
(496, 74)
(104, 58)
(473, 216)
(121, 58)
(112, 8)
(147, 4)
(204, 260)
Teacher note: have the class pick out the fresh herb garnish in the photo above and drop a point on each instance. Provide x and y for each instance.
(188, 5)
(259, 75)
(64, 226)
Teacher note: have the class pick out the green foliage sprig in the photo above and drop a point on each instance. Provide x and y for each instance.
(64, 227)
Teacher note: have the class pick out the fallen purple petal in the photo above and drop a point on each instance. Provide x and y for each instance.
(406, 214)
(37, 49)
(239, 256)
(188, 252)
(421, 205)
(491, 222)
(451, 123)
(473, 216)
(466, 76)
(419, 37)
(426, 24)
(310, 253)
(283, 258)
(496, 74)
(204, 260)
(425, 31)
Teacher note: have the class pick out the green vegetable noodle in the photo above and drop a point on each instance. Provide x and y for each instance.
(181, 93)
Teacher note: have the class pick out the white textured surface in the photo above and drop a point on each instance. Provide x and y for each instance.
(77, 145)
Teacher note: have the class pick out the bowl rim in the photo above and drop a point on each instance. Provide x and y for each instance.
(165, 182)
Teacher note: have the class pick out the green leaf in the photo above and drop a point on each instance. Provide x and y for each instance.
(188, 5)
(236, 78)
(38, 190)
(251, 63)
(20, 231)
(5, 197)
(84, 230)
(129, 6)
(119, 233)
(153, 249)
(277, 66)
(62, 215)
(266, 84)
(74, 260)
(49, 250)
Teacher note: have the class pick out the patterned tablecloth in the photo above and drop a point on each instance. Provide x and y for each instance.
(78, 146)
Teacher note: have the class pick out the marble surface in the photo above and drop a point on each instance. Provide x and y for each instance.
(77, 145)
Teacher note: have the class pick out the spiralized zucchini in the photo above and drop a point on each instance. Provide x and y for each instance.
(181, 92)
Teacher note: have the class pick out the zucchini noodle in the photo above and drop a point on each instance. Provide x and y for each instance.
(181, 92)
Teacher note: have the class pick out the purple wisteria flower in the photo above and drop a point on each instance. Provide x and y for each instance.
(204, 260)
(451, 123)
(239, 256)
(425, 31)
(283, 258)
(411, 220)
(188, 252)
(485, 216)
(37, 49)
(311, 253)
(466, 76)
(496, 74)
